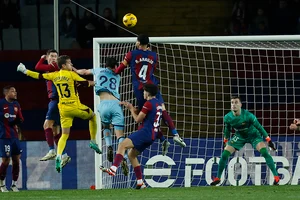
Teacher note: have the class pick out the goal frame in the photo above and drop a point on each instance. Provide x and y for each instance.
(185, 39)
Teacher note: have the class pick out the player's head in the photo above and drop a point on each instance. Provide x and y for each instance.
(111, 63)
(10, 92)
(52, 55)
(236, 103)
(64, 62)
(150, 90)
(142, 40)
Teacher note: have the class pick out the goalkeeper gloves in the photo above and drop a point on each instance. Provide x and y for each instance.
(21, 68)
(271, 144)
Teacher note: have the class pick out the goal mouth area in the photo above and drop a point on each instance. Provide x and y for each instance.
(197, 77)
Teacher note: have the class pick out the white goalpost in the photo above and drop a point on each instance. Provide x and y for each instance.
(197, 77)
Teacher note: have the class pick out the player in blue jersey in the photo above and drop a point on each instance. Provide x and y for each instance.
(107, 85)
(52, 122)
(142, 64)
(10, 147)
(149, 129)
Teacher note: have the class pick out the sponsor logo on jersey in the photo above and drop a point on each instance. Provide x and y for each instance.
(7, 115)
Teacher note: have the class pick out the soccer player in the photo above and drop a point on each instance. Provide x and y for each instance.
(51, 124)
(69, 103)
(247, 130)
(295, 126)
(143, 63)
(148, 131)
(107, 88)
(10, 147)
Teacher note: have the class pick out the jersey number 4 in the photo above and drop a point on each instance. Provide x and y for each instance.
(143, 72)
(64, 90)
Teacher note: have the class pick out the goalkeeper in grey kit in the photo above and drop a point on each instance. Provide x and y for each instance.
(247, 130)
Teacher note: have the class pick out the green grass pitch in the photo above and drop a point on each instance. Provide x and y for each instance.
(209, 193)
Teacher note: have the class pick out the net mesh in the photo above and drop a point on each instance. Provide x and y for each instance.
(196, 82)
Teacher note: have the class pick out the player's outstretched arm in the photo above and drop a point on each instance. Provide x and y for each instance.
(138, 117)
(261, 129)
(124, 63)
(21, 68)
(83, 71)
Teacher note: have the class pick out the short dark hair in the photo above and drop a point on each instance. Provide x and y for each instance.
(7, 88)
(62, 60)
(236, 97)
(51, 51)
(151, 88)
(143, 39)
(111, 62)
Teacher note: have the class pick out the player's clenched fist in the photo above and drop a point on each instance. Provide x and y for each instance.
(295, 125)
(21, 68)
(128, 105)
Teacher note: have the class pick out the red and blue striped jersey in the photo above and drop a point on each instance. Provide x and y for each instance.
(52, 67)
(10, 112)
(153, 110)
(142, 65)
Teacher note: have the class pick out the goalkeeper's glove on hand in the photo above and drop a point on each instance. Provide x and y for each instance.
(271, 144)
(21, 68)
(224, 142)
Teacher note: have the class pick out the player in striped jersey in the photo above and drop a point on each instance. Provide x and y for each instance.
(143, 63)
(10, 147)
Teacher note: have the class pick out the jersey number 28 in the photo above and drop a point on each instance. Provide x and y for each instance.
(112, 82)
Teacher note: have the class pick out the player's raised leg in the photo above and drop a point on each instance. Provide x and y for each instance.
(120, 138)
(108, 141)
(261, 147)
(60, 148)
(93, 133)
(122, 147)
(48, 128)
(65, 158)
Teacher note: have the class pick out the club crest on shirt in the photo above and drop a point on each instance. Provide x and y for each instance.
(16, 109)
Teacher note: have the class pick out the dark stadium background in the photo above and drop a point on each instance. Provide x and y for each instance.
(156, 18)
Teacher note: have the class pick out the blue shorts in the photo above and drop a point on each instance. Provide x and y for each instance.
(53, 112)
(139, 95)
(10, 147)
(111, 112)
(142, 139)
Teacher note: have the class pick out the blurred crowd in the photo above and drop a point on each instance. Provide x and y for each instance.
(264, 17)
(79, 30)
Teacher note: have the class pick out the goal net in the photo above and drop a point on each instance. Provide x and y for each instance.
(197, 77)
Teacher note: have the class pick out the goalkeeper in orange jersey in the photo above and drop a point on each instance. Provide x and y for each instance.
(69, 104)
(247, 130)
